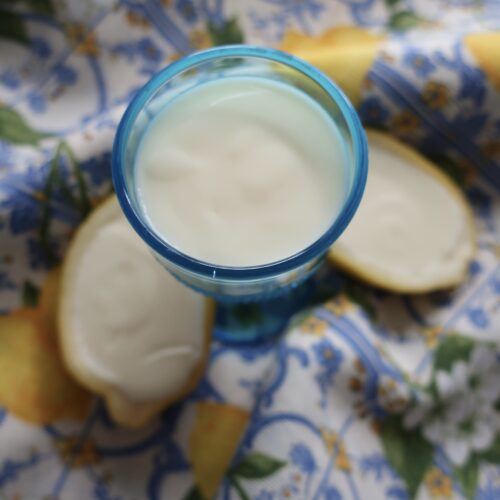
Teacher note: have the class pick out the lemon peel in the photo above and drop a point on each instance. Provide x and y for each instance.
(129, 331)
(413, 231)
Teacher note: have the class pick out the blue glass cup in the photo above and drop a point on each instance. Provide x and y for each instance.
(237, 283)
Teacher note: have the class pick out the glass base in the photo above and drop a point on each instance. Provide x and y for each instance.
(258, 322)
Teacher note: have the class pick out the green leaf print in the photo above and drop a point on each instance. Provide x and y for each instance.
(55, 180)
(256, 466)
(30, 294)
(45, 218)
(407, 451)
(405, 20)
(12, 27)
(237, 486)
(227, 33)
(193, 494)
(41, 7)
(492, 454)
(451, 349)
(83, 202)
(392, 3)
(468, 476)
(14, 129)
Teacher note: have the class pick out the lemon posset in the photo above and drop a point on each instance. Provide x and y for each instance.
(241, 171)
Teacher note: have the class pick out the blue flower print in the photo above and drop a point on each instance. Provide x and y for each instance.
(298, 9)
(397, 493)
(332, 493)
(264, 495)
(328, 356)
(373, 112)
(10, 469)
(419, 62)
(10, 80)
(37, 102)
(40, 47)
(65, 75)
(101, 491)
(474, 268)
(187, 10)
(329, 359)
(5, 282)
(378, 465)
(478, 317)
(23, 198)
(301, 456)
(473, 85)
(472, 79)
(24, 217)
(125, 49)
(25, 193)
(98, 168)
(149, 51)
(284, 13)
(6, 155)
(490, 491)
(38, 255)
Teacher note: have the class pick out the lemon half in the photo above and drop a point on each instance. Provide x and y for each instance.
(413, 231)
(129, 331)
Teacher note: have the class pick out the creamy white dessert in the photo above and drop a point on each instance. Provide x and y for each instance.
(241, 171)
(413, 230)
(129, 330)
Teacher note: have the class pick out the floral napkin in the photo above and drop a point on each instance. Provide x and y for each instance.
(368, 394)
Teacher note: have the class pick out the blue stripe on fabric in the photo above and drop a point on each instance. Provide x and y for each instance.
(402, 92)
(166, 27)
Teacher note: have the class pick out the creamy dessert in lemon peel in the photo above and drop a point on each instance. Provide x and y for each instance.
(129, 331)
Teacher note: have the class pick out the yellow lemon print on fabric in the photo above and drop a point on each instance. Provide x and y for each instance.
(34, 385)
(344, 53)
(217, 431)
(485, 47)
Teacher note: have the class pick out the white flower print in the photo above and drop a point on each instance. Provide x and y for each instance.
(461, 417)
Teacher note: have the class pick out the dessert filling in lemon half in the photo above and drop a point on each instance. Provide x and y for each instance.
(129, 330)
(413, 231)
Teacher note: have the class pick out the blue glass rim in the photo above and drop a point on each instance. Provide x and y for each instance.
(321, 245)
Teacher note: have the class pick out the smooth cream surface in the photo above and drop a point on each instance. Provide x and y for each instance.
(241, 172)
(409, 227)
(134, 327)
